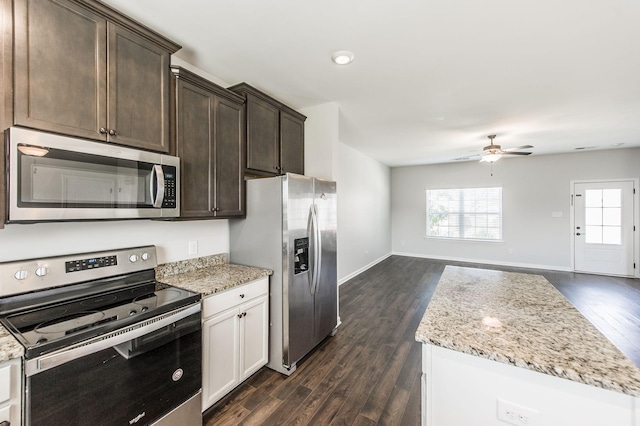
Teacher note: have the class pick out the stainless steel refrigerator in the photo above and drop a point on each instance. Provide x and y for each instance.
(291, 227)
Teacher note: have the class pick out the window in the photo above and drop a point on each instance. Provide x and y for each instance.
(465, 214)
(603, 216)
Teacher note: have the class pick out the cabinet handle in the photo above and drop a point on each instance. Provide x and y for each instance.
(113, 132)
(102, 131)
(215, 209)
(242, 296)
(239, 315)
(244, 314)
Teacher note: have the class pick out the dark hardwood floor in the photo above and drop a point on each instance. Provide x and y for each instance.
(369, 373)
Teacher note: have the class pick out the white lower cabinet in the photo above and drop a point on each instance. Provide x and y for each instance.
(10, 392)
(235, 333)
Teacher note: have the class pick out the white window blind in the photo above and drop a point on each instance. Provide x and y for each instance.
(466, 214)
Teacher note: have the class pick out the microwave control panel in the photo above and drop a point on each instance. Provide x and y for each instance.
(169, 200)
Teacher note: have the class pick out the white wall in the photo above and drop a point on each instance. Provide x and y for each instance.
(19, 241)
(364, 215)
(321, 140)
(533, 188)
(363, 185)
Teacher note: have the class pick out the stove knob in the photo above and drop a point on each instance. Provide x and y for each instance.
(42, 271)
(132, 312)
(21, 274)
(145, 256)
(133, 258)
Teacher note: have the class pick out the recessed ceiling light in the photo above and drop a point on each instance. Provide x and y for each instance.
(342, 57)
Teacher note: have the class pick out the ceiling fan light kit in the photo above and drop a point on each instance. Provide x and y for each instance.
(490, 158)
(493, 152)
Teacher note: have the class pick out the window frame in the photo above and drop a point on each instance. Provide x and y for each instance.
(462, 213)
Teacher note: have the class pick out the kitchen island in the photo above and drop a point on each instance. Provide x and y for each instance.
(508, 348)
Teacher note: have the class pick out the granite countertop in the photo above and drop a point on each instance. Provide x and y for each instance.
(205, 275)
(208, 275)
(9, 346)
(523, 320)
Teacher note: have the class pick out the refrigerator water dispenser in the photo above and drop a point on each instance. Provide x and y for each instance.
(301, 255)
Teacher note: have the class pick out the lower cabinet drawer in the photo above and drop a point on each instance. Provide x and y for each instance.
(218, 302)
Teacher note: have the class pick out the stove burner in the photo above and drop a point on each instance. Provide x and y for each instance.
(71, 323)
(100, 301)
(168, 295)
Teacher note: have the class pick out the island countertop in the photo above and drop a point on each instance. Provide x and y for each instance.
(523, 320)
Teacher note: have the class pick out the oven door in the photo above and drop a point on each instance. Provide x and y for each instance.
(53, 177)
(133, 376)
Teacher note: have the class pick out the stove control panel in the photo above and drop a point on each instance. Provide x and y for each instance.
(24, 276)
(90, 263)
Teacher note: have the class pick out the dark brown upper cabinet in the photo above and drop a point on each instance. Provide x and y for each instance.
(83, 69)
(209, 139)
(275, 134)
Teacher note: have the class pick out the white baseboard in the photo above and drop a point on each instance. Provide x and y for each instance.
(487, 262)
(361, 270)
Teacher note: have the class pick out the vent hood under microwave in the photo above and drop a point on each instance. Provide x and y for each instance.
(55, 178)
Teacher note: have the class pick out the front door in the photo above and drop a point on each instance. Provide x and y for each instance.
(603, 227)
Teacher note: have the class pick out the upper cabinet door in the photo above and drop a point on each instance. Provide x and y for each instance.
(291, 143)
(229, 164)
(138, 96)
(262, 135)
(64, 84)
(60, 68)
(194, 145)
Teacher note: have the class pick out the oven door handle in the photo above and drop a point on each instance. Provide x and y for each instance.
(40, 364)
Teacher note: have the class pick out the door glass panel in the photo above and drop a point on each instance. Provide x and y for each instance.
(594, 235)
(593, 216)
(611, 235)
(612, 216)
(611, 198)
(593, 198)
(603, 216)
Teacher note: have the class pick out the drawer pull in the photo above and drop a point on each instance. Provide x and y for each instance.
(242, 296)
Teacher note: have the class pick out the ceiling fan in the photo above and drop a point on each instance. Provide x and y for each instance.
(492, 152)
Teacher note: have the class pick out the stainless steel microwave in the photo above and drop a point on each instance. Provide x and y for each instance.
(53, 177)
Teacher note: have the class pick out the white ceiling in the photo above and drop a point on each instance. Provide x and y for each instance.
(431, 78)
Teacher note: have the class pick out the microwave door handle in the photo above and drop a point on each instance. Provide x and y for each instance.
(157, 181)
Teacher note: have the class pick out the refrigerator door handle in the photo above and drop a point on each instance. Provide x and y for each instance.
(318, 250)
(311, 234)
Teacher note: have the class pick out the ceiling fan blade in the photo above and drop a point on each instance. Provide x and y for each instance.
(519, 147)
(515, 153)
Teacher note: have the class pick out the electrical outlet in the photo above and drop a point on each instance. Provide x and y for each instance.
(517, 414)
(193, 247)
